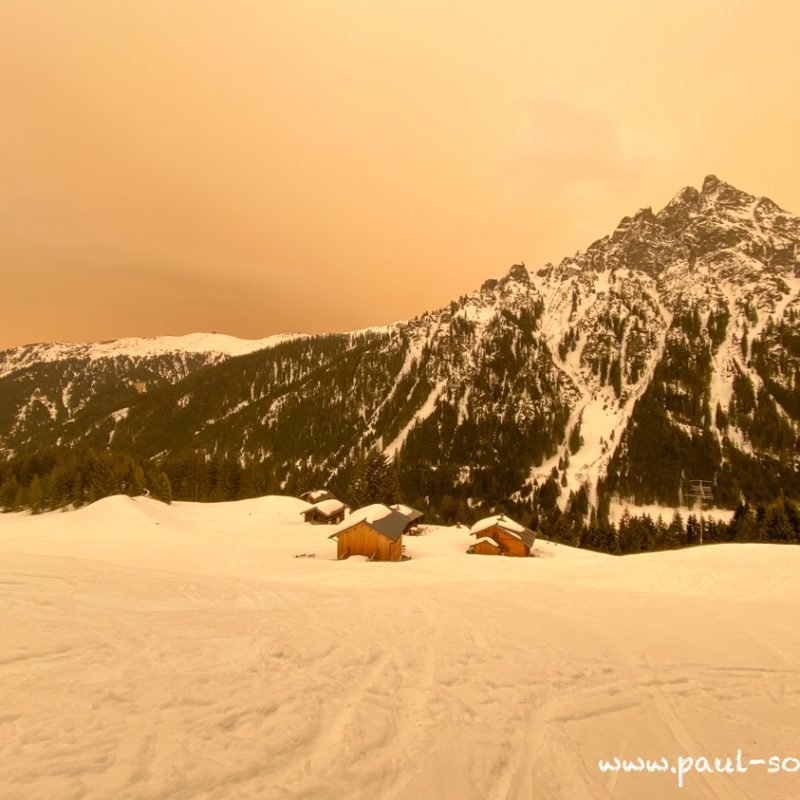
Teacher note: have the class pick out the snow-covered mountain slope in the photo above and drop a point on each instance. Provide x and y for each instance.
(212, 345)
(615, 309)
(665, 352)
(47, 389)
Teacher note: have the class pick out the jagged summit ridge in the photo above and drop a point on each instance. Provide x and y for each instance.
(696, 226)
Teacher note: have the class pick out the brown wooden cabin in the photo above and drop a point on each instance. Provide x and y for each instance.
(485, 547)
(374, 531)
(326, 512)
(512, 538)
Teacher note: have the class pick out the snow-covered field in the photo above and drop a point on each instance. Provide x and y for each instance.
(151, 651)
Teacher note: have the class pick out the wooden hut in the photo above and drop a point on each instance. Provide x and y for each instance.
(326, 512)
(485, 546)
(512, 539)
(375, 531)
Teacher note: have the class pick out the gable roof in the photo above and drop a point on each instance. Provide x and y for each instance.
(410, 513)
(487, 540)
(327, 508)
(511, 527)
(382, 519)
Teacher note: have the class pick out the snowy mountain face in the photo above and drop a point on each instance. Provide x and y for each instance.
(214, 346)
(664, 353)
(52, 394)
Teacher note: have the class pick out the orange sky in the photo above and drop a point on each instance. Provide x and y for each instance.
(256, 166)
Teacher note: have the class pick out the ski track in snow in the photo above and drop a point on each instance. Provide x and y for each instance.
(181, 652)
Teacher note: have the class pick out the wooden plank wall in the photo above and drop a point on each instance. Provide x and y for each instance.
(362, 540)
(510, 545)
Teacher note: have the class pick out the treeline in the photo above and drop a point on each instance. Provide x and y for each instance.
(777, 522)
(581, 525)
(60, 478)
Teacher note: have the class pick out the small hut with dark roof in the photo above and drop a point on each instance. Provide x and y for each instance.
(374, 531)
(510, 538)
(485, 546)
(325, 512)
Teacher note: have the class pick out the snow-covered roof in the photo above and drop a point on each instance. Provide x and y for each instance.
(487, 539)
(508, 525)
(384, 520)
(328, 508)
(315, 495)
(371, 513)
(412, 513)
(498, 519)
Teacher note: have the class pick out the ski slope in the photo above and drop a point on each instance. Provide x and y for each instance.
(152, 651)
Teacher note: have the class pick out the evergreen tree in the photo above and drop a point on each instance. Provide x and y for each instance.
(163, 487)
(575, 438)
(8, 493)
(21, 500)
(615, 377)
(35, 495)
(448, 510)
(374, 480)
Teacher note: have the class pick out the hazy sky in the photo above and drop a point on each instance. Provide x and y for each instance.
(168, 166)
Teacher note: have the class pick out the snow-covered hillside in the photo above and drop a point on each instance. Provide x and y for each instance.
(45, 388)
(216, 345)
(184, 652)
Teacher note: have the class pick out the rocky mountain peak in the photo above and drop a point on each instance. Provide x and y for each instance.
(711, 183)
(688, 196)
(716, 192)
(518, 273)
